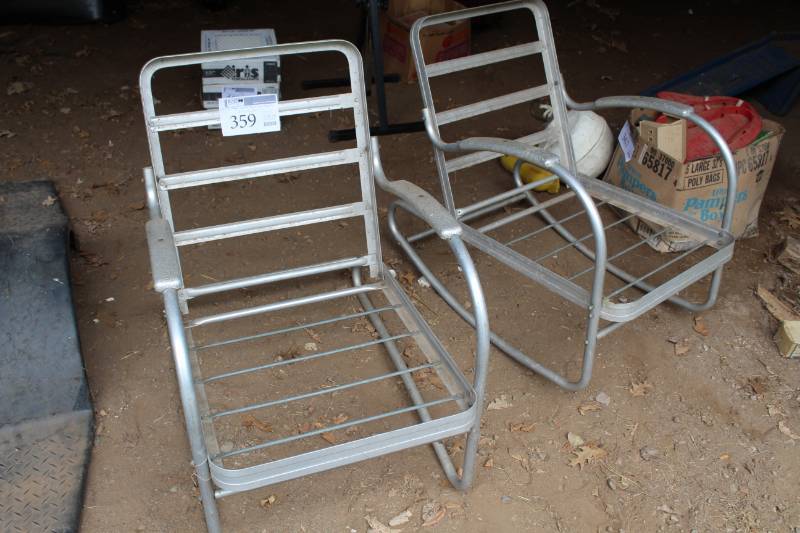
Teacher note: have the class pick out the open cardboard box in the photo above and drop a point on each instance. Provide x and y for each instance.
(440, 42)
(696, 187)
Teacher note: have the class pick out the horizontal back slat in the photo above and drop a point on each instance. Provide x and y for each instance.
(276, 222)
(485, 58)
(492, 104)
(255, 170)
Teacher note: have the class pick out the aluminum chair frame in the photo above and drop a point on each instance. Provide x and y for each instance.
(215, 479)
(589, 193)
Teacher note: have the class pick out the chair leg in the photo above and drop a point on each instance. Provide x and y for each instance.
(499, 342)
(191, 412)
(461, 481)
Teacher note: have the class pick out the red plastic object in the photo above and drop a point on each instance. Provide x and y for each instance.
(737, 121)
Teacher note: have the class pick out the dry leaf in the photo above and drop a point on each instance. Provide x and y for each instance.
(783, 428)
(521, 427)
(489, 463)
(310, 346)
(250, 422)
(681, 348)
(757, 385)
(587, 454)
(329, 437)
(498, 403)
(340, 418)
(18, 87)
(589, 407)
(640, 389)
(267, 502)
(700, 326)
(376, 526)
(136, 206)
(432, 514)
(408, 277)
(401, 519)
(7, 134)
(50, 200)
(773, 410)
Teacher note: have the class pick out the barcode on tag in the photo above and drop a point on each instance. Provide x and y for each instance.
(626, 141)
(230, 92)
(242, 115)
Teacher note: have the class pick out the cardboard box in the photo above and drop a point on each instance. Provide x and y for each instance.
(440, 42)
(262, 70)
(697, 187)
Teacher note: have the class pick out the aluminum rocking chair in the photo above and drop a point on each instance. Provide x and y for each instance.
(427, 415)
(601, 287)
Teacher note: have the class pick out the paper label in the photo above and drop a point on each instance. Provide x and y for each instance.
(626, 141)
(243, 115)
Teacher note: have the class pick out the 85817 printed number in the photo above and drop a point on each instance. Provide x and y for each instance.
(243, 121)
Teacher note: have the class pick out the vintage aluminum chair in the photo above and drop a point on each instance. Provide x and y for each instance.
(222, 472)
(604, 289)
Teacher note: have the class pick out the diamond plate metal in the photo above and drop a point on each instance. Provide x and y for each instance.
(42, 466)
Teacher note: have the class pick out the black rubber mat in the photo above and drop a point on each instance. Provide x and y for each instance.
(46, 425)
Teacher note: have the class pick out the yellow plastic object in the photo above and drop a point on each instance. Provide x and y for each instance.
(530, 173)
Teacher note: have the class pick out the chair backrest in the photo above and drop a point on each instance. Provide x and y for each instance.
(552, 87)
(162, 183)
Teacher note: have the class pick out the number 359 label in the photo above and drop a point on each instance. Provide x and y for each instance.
(242, 115)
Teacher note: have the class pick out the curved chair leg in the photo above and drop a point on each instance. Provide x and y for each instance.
(463, 480)
(503, 345)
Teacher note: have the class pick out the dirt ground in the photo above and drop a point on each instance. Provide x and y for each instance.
(701, 441)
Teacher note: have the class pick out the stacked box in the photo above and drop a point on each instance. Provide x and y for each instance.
(252, 76)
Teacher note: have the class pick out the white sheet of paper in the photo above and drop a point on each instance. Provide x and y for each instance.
(243, 115)
(626, 141)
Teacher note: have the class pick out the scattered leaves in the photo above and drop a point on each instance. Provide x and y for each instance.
(407, 277)
(432, 513)
(758, 385)
(136, 206)
(401, 519)
(640, 389)
(700, 326)
(588, 407)
(50, 200)
(268, 501)
(376, 526)
(329, 437)
(587, 454)
(250, 422)
(681, 347)
(783, 428)
(341, 418)
(489, 463)
(310, 346)
(18, 87)
(521, 427)
(501, 402)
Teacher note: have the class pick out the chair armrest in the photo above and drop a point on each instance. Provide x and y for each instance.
(163, 255)
(419, 201)
(674, 109)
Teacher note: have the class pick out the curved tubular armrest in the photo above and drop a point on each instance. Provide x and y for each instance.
(163, 257)
(417, 200)
(674, 109)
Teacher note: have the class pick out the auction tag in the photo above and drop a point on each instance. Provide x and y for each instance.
(242, 115)
(626, 141)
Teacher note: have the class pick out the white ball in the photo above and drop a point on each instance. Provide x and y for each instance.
(592, 142)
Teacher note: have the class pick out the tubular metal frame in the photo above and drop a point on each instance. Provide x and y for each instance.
(215, 478)
(589, 193)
